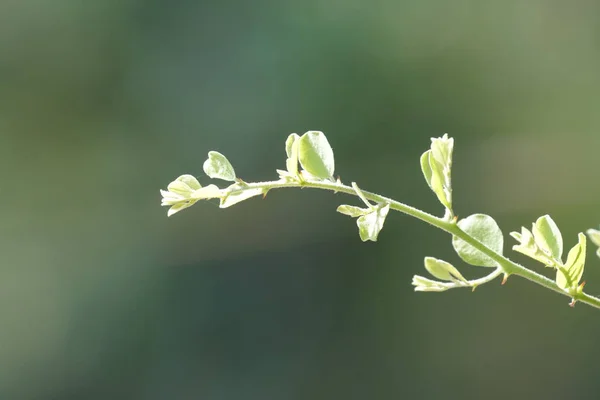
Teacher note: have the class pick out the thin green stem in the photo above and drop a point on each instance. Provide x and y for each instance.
(506, 266)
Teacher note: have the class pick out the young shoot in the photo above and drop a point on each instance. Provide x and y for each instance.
(477, 238)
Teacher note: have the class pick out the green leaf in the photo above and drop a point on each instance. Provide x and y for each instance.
(527, 245)
(436, 165)
(180, 206)
(184, 185)
(548, 237)
(217, 166)
(291, 149)
(484, 229)
(369, 225)
(422, 284)
(568, 277)
(426, 167)
(443, 270)
(594, 236)
(289, 142)
(352, 211)
(234, 198)
(316, 155)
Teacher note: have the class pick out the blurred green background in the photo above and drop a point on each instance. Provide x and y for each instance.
(103, 103)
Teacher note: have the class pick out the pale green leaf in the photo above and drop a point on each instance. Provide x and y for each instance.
(423, 284)
(443, 270)
(180, 206)
(436, 165)
(234, 198)
(184, 185)
(291, 148)
(217, 166)
(548, 237)
(352, 211)
(316, 155)
(484, 229)
(569, 276)
(594, 236)
(289, 142)
(426, 167)
(370, 225)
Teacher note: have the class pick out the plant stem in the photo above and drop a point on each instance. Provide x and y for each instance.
(506, 266)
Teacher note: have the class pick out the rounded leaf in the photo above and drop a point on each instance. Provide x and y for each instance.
(443, 270)
(484, 229)
(548, 237)
(316, 155)
(217, 166)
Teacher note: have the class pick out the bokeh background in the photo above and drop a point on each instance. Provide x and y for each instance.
(103, 103)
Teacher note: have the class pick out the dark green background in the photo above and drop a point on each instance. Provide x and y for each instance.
(103, 103)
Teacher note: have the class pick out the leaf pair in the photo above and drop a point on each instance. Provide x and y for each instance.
(436, 164)
(313, 152)
(544, 243)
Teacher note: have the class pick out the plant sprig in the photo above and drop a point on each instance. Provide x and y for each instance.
(477, 239)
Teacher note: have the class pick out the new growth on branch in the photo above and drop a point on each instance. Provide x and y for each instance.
(477, 239)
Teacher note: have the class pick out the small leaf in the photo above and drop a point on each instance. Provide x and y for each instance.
(289, 142)
(422, 284)
(443, 270)
(291, 149)
(436, 165)
(352, 211)
(568, 277)
(184, 185)
(217, 166)
(484, 229)
(370, 225)
(594, 236)
(316, 155)
(426, 168)
(234, 198)
(548, 237)
(180, 206)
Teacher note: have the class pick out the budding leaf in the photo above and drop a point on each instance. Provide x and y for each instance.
(548, 237)
(370, 225)
(484, 229)
(184, 185)
(316, 155)
(217, 166)
(422, 284)
(289, 142)
(527, 244)
(569, 276)
(291, 149)
(443, 270)
(352, 211)
(436, 164)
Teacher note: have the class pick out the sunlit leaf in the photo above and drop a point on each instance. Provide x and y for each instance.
(484, 229)
(217, 166)
(570, 275)
(370, 225)
(316, 155)
(443, 270)
(548, 237)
